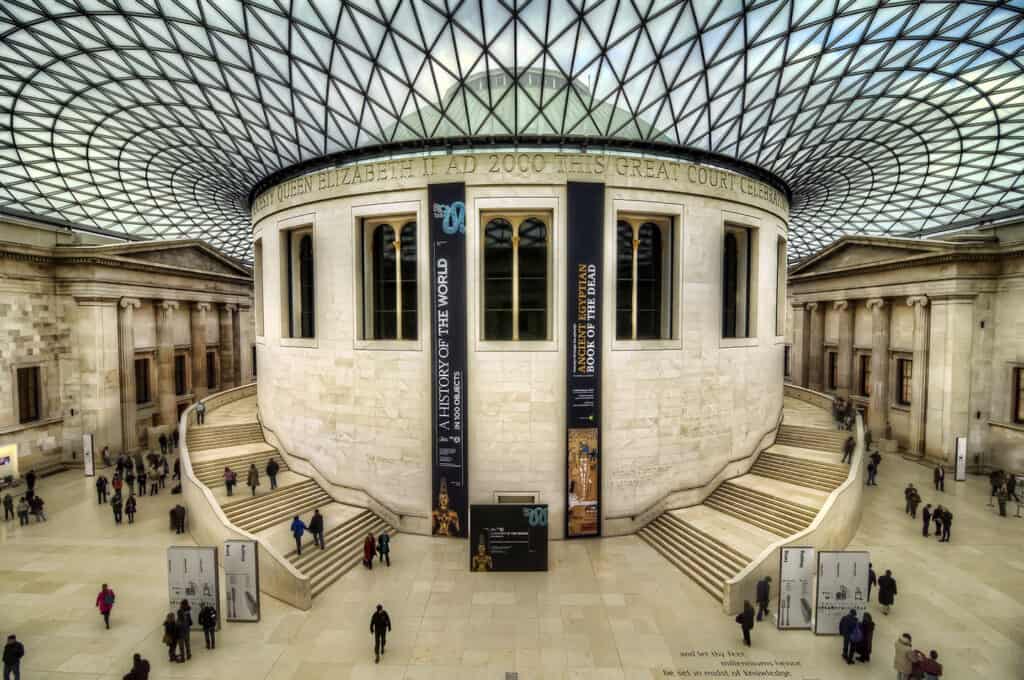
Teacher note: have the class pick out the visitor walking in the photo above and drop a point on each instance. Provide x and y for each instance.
(13, 652)
(254, 478)
(129, 509)
(177, 469)
(947, 523)
(105, 603)
(36, 504)
(849, 628)
(867, 635)
(316, 527)
(184, 631)
(174, 437)
(995, 480)
(380, 626)
(117, 484)
(30, 483)
(142, 481)
(939, 477)
(179, 517)
(163, 442)
(272, 470)
(369, 549)
(848, 446)
(140, 668)
(926, 516)
(872, 471)
(23, 511)
(746, 621)
(763, 591)
(154, 480)
(200, 413)
(872, 579)
(208, 620)
(298, 528)
(904, 657)
(229, 480)
(907, 493)
(118, 506)
(164, 470)
(1001, 498)
(101, 490)
(876, 458)
(384, 547)
(129, 478)
(171, 636)
(8, 507)
(886, 591)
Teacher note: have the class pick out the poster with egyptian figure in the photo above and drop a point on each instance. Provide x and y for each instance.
(583, 482)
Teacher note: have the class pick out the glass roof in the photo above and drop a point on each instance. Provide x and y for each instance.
(157, 117)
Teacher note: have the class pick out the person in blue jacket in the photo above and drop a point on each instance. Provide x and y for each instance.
(298, 528)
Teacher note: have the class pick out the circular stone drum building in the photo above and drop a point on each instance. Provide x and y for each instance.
(598, 331)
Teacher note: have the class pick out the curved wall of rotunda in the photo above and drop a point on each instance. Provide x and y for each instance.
(345, 329)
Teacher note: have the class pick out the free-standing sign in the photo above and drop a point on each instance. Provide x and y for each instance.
(242, 574)
(960, 474)
(87, 454)
(508, 538)
(796, 596)
(8, 461)
(842, 586)
(192, 575)
(450, 474)
(583, 377)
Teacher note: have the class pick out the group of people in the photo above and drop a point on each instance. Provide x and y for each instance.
(844, 413)
(315, 527)
(941, 516)
(380, 546)
(178, 630)
(30, 503)
(1004, 487)
(253, 478)
(913, 663)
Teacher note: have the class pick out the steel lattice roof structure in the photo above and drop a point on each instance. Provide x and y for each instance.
(158, 117)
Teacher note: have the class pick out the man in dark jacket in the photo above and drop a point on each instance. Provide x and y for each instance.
(208, 620)
(907, 493)
(272, 470)
(939, 477)
(140, 668)
(384, 547)
(185, 629)
(30, 484)
(947, 522)
(872, 579)
(316, 527)
(13, 651)
(926, 515)
(764, 589)
(380, 626)
(847, 628)
(886, 591)
(746, 621)
(848, 446)
(101, 489)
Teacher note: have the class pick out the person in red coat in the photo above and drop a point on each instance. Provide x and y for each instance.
(369, 550)
(105, 602)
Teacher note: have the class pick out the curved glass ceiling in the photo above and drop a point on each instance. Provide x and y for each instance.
(156, 117)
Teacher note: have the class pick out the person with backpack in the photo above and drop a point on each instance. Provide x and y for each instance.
(105, 603)
(272, 470)
(117, 506)
(316, 527)
(384, 547)
(746, 621)
(380, 626)
(129, 509)
(849, 628)
(298, 529)
(13, 652)
(184, 631)
(101, 490)
(200, 413)
(208, 620)
(171, 636)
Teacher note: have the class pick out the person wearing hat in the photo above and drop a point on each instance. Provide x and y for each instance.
(903, 660)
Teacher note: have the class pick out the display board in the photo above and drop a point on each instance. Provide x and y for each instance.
(796, 593)
(842, 586)
(585, 236)
(960, 472)
(192, 575)
(508, 538)
(450, 472)
(88, 454)
(242, 580)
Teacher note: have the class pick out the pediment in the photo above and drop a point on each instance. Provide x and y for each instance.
(845, 255)
(187, 257)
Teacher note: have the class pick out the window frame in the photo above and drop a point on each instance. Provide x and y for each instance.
(290, 233)
(150, 362)
(367, 274)
(547, 207)
(401, 205)
(184, 355)
(738, 221)
(213, 366)
(864, 374)
(517, 219)
(40, 394)
(258, 287)
(668, 234)
(1017, 396)
(903, 382)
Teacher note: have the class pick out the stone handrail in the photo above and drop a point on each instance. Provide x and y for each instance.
(832, 529)
(210, 526)
(631, 522)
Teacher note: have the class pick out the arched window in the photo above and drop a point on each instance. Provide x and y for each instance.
(516, 277)
(644, 278)
(739, 252)
(729, 269)
(306, 287)
(389, 281)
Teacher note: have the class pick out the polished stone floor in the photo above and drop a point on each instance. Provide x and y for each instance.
(608, 609)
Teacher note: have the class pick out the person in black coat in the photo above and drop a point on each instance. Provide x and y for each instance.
(30, 483)
(171, 636)
(764, 589)
(926, 515)
(13, 651)
(118, 505)
(316, 527)
(937, 516)
(886, 591)
(184, 630)
(947, 522)
(848, 446)
(746, 621)
(380, 626)
(939, 477)
(848, 628)
(208, 620)
(272, 469)
(872, 579)
(867, 635)
(129, 509)
(140, 668)
(101, 489)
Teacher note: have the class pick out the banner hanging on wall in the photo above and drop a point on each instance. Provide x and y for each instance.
(450, 474)
(242, 574)
(842, 586)
(796, 597)
(192, 575)
(585, 235)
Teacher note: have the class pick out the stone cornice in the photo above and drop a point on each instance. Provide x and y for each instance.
(987, 254)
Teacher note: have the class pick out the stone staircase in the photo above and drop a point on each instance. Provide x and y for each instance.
(205, 437)
(705, 559)
(768, 512)
(257, 513)
(816, 438)
(211, 471)
(800, 471)
(344, 550)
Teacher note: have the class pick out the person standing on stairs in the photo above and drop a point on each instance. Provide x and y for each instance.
(272, 470)
(746, 621)
(229, 480)
(254, 478)
(380, 626)
(886, 591)
(384, 547)
(200, 413)
(764, 589)
(316, 527)
(298, 529)
(848, 446)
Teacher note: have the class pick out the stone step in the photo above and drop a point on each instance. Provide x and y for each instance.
(711, 586)
(342, 566)
(272, 505)
(696, 545)
(747, 506)
(219, 436)
(211, 473)
(771, 503)
(344, 542)
(840, 469)
(734, 556)
(793, 478)
(801, 471)
(285, 512)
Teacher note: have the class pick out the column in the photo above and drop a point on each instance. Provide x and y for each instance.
(198, 327)
(798, 353)
(878, 408)
(816, 347)
(166, 398)
(227, 346)
(844, 370)
(236, 345)
(919, 378)
(126, 354)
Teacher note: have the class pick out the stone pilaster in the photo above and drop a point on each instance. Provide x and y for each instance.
(816, 347)
(919, 379)
(947, 404)
(798, 352)
(844, 370)
(227, 345)
(126, 355)
(878, 408)
(166, 399)
(198, 331)
(236, 344)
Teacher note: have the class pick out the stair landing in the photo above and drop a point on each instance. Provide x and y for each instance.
(335, 515)
(240, 412)
(801, 495)
(743, 536)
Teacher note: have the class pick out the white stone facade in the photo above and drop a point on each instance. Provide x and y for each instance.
(674, 410)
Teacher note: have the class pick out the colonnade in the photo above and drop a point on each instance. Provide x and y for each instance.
(165, 398)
